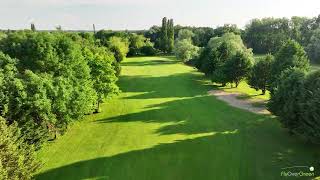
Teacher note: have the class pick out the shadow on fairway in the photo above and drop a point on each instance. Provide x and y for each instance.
(177, 85)
(253, 152)
(237, 144)
(149, 62)
(190, 116)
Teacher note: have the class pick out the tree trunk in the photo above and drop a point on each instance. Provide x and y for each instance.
(263, 91)
(98, 107)
(237, 84)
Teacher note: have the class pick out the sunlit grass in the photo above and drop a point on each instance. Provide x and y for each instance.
(165, 126)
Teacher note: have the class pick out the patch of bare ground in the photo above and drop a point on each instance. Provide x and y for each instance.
(232, 98)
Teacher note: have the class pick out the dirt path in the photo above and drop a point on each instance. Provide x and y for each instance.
(232, 99)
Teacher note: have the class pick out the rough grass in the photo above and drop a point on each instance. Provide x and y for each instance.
(165, 126)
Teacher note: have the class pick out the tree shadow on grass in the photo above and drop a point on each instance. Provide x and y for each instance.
(178, 85)
(256, 152)
(239, 144)
(200, 114)
(155, 62)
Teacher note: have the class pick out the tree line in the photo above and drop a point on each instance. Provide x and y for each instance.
(285, 73)
(48, 80)
(267, 35)
(264, 35)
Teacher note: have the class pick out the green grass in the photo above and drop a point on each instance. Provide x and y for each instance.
(165, 126)
(246, 91)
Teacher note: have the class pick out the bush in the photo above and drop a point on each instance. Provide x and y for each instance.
(260, 75)
(17, 159)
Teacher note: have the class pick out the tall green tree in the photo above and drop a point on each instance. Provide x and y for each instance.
(170, 35)
(313, 48)
(284, 101)
(33, 27)
(238, 67)
(103, 74)
(291, 55)
(260, 75)
(164, 35)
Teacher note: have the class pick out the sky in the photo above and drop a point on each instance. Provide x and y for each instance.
(142, 14)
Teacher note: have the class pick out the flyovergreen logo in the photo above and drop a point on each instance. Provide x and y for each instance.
(298, 171)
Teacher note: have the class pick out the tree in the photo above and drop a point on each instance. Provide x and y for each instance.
(154, 34)
(313, 47)
(284, 101)
(227, 28)
(140, 45)
(238, 67)
(291, 55)
(136, 42)
(33, 27)
(267, 35)
(170, 35)
(260, 75)
(17, 159)
(164, 35)
(202, 35)
(217, 52)
(309, 124)
(185, 50)
(119, 46)
(49, 86)
(185, 34)
(104, 76)
(59, 28)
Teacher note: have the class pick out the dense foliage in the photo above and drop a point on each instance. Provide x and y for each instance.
(50, 79)
(165, 40)
(184, 48)
(296, 102)
(267, 35)
(313, 48)
(238, 67)
(218, 51)
(17, 159)
(260, 75)
(290, 55)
